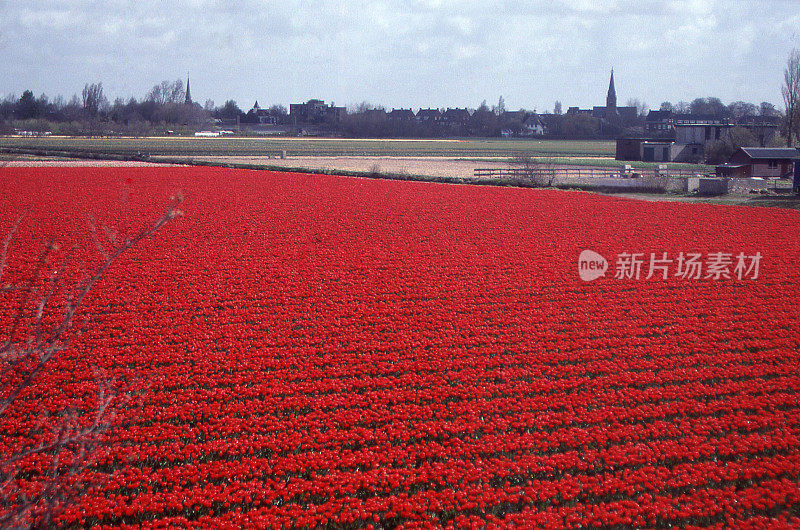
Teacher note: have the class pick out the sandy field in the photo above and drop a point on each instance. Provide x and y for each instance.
(432, 167)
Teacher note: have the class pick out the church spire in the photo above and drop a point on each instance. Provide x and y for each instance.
(188, 92)
(611, 98)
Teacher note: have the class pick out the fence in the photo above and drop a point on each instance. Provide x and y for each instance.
(626, 178)
(561, 173)
(752, 185)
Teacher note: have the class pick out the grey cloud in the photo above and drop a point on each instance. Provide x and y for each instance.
(401, 52)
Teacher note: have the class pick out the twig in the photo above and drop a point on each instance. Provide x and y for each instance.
(23, 360)
(7, 241)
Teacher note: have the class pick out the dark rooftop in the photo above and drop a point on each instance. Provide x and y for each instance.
(771, 152)
(657, 115)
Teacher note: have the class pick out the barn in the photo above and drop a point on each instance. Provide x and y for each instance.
(765, 162)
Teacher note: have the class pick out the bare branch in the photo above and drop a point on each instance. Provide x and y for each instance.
(7, 241)
(93, 230)
(28, 289)
(790, 90)
(111, 235)
(23, 359)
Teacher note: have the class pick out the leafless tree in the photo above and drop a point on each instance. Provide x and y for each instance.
(768, 109)
(500, 109)
(791, 93)
(42, 326)
(683, 107)
(92, 98)
(280, 110)
(166, 92)
(641, 107)
(534, 172)
(177, 94)
(742, 109)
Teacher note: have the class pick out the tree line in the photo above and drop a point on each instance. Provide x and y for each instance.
(712, 106)
(164, 109)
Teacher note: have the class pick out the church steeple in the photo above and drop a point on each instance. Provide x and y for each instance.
(611, 98)
(188, 92)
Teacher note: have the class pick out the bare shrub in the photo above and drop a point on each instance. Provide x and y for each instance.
(534, 172)
(41, 327)
(656, 181)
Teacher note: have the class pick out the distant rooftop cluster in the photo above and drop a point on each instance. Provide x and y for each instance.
(315, 117)
(171, 108)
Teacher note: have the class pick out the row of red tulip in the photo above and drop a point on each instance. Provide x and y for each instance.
(313, 350)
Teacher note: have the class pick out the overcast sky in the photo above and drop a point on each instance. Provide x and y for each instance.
(403, 53)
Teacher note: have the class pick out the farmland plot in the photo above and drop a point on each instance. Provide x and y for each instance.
(312, 350)
(253, 146)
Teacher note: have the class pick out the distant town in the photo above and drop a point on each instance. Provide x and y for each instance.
(703, 130)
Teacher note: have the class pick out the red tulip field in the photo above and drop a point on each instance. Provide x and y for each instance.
(308, 350)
